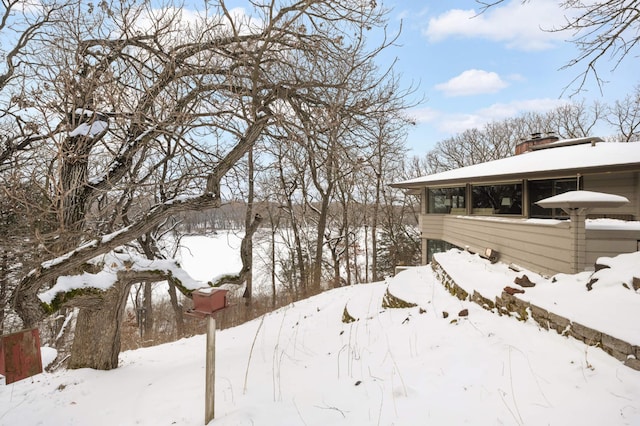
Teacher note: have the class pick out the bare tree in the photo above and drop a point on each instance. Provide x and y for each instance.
(574, 120)
(624, 117)
(22, 23)
(291, 184)
(472, 146)
(139, 117)
(383, 134)
(399, 239)
(602, 30)
(498, 139)
(324, 163)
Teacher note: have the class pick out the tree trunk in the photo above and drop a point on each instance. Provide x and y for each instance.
(293, 221)
(366, 251)
(4, 285)
(321, 227)
(148, 311)
(177, 309)
(299, 255)
(74, 196)
(374, 223)
(356, 266)
(248, 248)
(273, 265)
(345, 221)
(97, 337)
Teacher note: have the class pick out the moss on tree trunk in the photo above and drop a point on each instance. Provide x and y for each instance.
(96, 342)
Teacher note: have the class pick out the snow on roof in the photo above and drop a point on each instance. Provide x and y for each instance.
(563, 158)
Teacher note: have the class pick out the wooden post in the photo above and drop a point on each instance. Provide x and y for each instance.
(210, 373)
(205, 303)
(578, 234)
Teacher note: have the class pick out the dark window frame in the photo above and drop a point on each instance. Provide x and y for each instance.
(555, 186)
(498, 199)
(454, 197)
(438, 246)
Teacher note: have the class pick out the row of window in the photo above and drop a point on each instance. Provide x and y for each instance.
(502, 199)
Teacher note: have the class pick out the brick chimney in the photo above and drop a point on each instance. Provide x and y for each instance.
(536, 139)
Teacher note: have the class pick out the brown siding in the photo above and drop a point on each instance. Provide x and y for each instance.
(431, 226)
(610, 243)
(625, 184)
(544, 248)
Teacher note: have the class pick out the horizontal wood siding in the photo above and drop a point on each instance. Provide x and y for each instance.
(431, 226)
(539, 247)
(610, 243)
(625, 184)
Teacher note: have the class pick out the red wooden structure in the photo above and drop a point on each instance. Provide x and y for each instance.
(20, 355)
(207, 301)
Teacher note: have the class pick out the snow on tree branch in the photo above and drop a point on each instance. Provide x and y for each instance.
(115, 266)
(68, 263)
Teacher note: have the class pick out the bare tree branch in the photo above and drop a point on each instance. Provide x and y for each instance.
(604, 30)
(26, 293)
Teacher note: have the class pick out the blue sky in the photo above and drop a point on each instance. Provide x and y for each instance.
(473, 70)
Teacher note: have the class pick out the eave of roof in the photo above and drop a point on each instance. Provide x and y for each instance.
(562, 161)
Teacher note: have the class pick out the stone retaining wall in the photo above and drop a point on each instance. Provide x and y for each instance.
(507, 304)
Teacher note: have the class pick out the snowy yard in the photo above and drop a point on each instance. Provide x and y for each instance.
(301, 365)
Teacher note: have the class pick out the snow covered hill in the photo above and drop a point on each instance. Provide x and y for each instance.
(302, 365)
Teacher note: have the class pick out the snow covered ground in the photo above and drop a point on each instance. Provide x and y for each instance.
(205, 257)
(301, 365)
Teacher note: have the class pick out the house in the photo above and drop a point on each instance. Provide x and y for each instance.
(493, 205)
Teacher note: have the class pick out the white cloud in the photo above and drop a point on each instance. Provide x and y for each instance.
(500, 111)
(407, 14)
(424, 115)
(149, 20)
(189, 21)
(457, 123)
(516, 77)
(472, 82)
(453, 123)
(29, 6)
(519, 26)
(433, 125)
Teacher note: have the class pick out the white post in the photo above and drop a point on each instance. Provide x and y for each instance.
(210, 372)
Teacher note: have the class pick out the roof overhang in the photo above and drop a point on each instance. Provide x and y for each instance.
(497, 178)
(562, 161)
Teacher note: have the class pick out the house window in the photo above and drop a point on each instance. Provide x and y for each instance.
(447, 200)
(437, 246)
(497, 199)
(541, 189)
